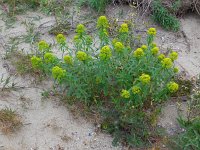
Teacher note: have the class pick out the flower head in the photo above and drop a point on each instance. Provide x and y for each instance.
(61, 39)
(161, 56)
(36, 62)
(49, 58)
(80, 29)
(136, 89)
(125, 94)
(151, 31)
(68, 59)
(58, 73)
(155, 50)
(145, 78)
(82, 56)
(173, 55)
(43, 45)
(176, 70)
(167, 63)
(114, 41)
(105, 53)
(153, 44)
(77, 39)
(124, 28)
(172, 86)
(102, 22)
(119, 47)
(138, 53)
(144, 47)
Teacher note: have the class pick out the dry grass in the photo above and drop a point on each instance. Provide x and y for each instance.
(9, 121)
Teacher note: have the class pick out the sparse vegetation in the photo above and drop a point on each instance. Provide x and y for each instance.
(10, 121)
(164, 17)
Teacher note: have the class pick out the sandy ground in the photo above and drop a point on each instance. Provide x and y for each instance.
(49, 125)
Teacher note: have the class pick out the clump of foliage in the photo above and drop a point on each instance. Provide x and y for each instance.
(16, 6)
(125, 85)
(9, 121)
(99, 6)
(164, 17)
(190, 138)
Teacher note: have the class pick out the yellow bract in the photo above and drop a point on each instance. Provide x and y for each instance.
(167, 63)
(125, 94)
(82, 56)
(176, 70)
(80, 29)
(58, 73)
(144, 47)
(60, 38)
(105, 53)
(136, 89)
(138, 53)
(49, 58)
(36, 62)
(119, 47)
(124, 28)
(151, 31)
(102, 22)
(172, 87)
(43, 45)
(173, 55)
(155, 50)
(68, 59)
(145, 78)
(161, 56)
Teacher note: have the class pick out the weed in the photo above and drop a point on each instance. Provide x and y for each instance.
(99, 5)
(124, 85)
(9, 121)
(190, 138)
(163, 17)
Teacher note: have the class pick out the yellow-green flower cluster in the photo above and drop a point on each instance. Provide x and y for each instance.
(102, 22)
(114, 41)
(176, 70)
(138, 53)
(161, 57)
(173, 55)
(125, 94)
(136, 90)
(80, 29)
(167, 63)
(124, 28)
(151, 31)
(36, 62)
(119, 47)
(49, 58)
(153, 44)
(58, 73)
(82, 56)
(61, 39)
(144, 47)
(172, 86)
(77, 39)
(155, 50)
(145, 78)
(68, 59)
(43, 45)
(105, 53)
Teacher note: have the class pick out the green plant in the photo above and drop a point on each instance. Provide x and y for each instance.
(99, 5)
(126, 86)
(164, 17)
(190, 137)
(9, 120)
